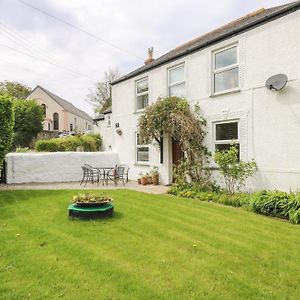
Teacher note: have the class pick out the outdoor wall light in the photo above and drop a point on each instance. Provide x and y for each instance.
(119, 131)
(117, 125)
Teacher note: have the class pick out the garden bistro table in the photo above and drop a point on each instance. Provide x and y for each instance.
(104, 173)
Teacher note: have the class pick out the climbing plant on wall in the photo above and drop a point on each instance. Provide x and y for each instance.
(173, 117)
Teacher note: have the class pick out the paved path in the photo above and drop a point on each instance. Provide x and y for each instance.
(132, 185)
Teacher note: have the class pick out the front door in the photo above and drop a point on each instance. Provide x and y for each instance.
(177, 153)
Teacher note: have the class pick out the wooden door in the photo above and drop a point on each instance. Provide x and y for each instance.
(177, 153)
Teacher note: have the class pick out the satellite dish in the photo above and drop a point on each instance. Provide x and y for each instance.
(276, 82)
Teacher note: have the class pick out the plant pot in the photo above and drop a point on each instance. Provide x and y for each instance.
(149, 180)
(144, 181)
(139, 181)
(155, 179)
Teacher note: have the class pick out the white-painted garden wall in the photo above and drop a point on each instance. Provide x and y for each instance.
(54, 167)
(269, 122)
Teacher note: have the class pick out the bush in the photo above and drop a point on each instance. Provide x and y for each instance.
(6, 126)
(277, 204)
(235, 172)
(87, 143)
(192, 191)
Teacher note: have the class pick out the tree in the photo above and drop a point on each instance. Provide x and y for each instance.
(100, 98)
(6, 126)
(14, 89)
(28, 121)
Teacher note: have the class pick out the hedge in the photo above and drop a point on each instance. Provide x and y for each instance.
(86, 143)
(6, 126)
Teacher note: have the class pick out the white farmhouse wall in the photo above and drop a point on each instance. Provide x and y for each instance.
(105, 129)
(54, 167)
(269, 121)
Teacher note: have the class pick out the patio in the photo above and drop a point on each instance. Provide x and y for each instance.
(131, 185)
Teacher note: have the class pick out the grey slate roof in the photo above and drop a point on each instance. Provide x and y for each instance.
(229, 30)
(66, 105)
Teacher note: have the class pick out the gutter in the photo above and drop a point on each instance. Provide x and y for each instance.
(271, 17)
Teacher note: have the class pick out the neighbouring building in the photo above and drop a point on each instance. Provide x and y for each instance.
(225, 72)
(60, 115)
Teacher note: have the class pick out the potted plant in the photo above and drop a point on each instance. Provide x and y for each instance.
(155, 175)
(144, 180)
(140, 177)
(91, 199)
(149, 178)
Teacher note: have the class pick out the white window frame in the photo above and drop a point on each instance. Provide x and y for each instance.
(225, 142)
(141, 94)
(179, 82)
(137, 146)
(224, 69)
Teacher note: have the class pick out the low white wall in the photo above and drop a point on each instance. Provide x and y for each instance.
(54, 167)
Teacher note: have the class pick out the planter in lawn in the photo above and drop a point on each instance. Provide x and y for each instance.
(89, 206)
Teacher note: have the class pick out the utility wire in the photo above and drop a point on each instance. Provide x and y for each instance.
(80, 29)
(32, 48)
(49, 62)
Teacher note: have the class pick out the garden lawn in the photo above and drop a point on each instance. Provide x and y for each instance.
(155, 247)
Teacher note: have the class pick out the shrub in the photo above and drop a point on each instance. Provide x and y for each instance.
(277, 204)
(22, 149)
(6, 126)
(85, 143)
(270, 203)
(235, 172)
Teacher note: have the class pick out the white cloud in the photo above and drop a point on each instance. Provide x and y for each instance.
(133, 25)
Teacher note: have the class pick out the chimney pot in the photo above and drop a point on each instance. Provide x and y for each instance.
(150, 56)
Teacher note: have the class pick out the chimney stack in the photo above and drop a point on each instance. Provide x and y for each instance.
(150, 58)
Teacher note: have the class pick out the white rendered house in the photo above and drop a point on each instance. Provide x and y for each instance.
(224, 72)
(60, 115)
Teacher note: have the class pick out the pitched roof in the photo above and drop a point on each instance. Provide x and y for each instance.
(66, 105)
(229, 30)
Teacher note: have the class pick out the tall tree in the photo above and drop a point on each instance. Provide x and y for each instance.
(100, 97)
(14, 89)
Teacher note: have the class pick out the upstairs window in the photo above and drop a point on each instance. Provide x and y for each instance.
(225, 70)
(142, 151)
(226, 133)
(176, 81)
(142, 94)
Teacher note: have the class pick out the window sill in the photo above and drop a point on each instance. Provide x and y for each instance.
(139, 111)
(225, 93)
(143, 164)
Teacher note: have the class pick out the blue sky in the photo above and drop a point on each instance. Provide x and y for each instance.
(32, 44)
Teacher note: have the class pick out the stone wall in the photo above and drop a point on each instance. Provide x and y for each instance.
(54, 167)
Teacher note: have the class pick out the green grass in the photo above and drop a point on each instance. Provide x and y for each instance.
(155, 247)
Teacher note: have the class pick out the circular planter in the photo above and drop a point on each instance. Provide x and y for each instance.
(91, 212)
